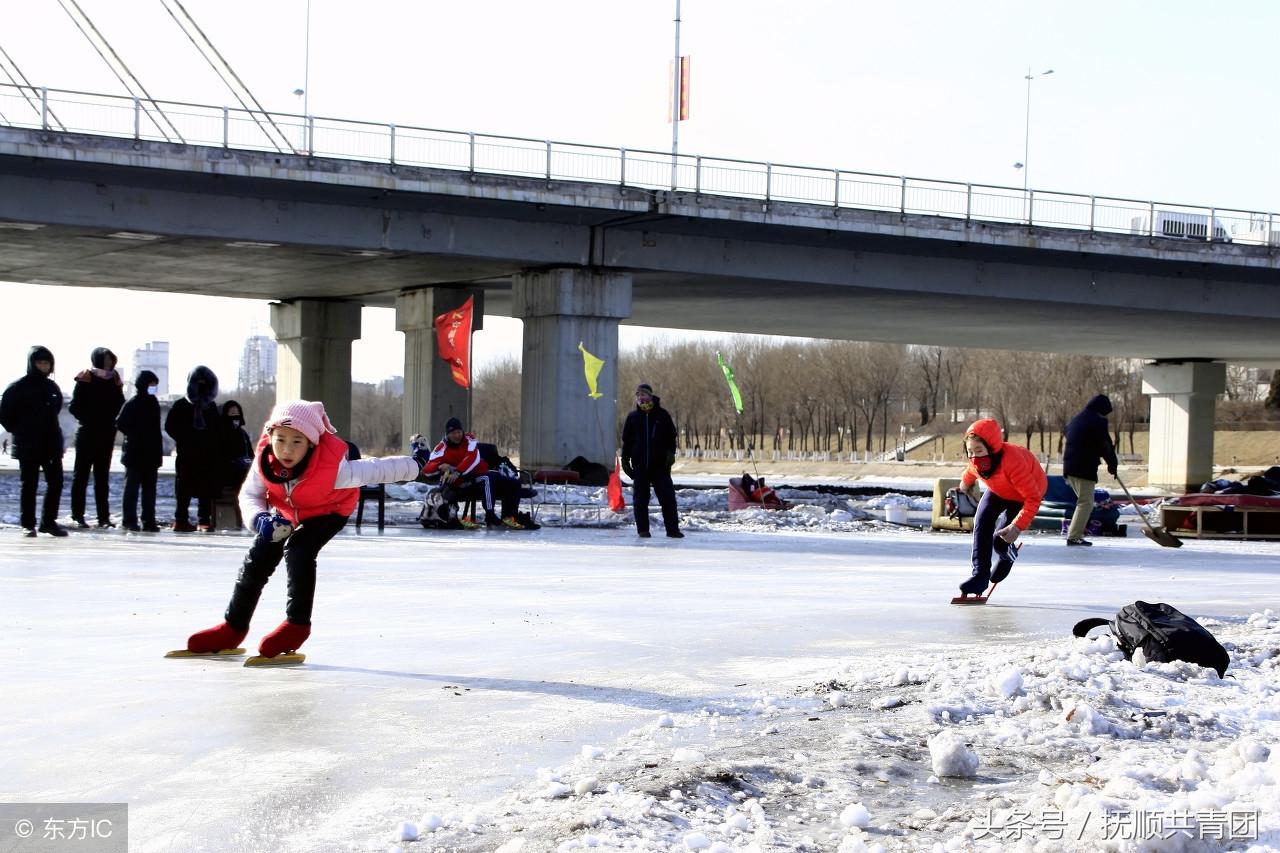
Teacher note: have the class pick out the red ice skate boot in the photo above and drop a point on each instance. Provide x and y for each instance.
(215, 639)
(285, 638)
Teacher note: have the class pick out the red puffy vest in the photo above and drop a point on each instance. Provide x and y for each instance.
(313, 493)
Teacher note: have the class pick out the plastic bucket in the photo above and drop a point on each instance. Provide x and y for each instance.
(896, 513)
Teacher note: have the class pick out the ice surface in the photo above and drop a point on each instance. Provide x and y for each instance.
(551, 690)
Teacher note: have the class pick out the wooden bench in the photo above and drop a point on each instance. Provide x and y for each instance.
(1227, 519)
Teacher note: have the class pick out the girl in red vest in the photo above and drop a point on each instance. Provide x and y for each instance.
(299, 493)
(1015, 484)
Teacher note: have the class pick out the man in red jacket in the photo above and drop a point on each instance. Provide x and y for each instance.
(1015, 484)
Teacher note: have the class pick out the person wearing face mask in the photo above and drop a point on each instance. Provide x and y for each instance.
(194, 425)
(1015, 484)
(139, 423)
(29, 410)
(648, 452)
(95, 402)
(237, 447)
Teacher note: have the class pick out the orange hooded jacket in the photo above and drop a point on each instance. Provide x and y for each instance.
(1018, 477)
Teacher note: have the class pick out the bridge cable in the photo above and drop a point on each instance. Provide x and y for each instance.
(25, 88)
(227, 74)
(99, 42)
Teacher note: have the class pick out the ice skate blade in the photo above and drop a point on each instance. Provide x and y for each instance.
(221, 653)
(969, 599)
(286, 659)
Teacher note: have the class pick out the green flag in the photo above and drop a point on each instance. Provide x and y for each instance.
(733, 386)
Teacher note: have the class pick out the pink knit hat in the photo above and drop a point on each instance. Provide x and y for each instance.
(305, 416)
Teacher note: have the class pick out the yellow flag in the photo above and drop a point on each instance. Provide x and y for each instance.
(591, 367)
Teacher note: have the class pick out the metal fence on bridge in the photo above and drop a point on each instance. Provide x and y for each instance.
(232, 128)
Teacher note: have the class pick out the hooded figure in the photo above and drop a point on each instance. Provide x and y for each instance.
(1015, 484)
(29, 410)
(139, 423)
(95, 402)
(237, 447)
(193, 425)
(1088, 445)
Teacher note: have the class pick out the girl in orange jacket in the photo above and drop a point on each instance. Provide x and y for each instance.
(1015, 484)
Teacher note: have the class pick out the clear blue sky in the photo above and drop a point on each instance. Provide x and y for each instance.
(1168, 101)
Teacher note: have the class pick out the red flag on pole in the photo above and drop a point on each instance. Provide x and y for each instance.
(453, 341)
(616, 502)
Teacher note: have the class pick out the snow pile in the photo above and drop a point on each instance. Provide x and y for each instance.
(1062, 746)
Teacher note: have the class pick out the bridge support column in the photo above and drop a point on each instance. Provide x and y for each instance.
(431, 396)
(314, 360)
(1182, 405)
(562, 308)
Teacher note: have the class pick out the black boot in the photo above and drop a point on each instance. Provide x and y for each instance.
(976, 585)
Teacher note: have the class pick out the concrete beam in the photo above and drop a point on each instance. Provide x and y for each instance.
(430, 395)
(562, 308)
(314, 360)
(1182, 406)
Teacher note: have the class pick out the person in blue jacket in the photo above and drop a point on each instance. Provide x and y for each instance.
(1088, 446)
(648, 452)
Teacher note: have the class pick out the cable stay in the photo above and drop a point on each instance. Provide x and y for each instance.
(266, 123)
(24, 87)
(126, 77)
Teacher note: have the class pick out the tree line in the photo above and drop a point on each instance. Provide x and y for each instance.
(836, 396)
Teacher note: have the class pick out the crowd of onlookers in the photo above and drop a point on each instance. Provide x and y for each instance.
(213, 450)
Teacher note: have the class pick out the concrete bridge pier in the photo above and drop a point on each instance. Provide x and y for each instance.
(1182, 405)
(431, 396)
(314, 361)
(562, 308)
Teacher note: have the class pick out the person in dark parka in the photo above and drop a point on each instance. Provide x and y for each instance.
(29, 410)
(1088, 446)
(95, 401)
(194, 425)
(648, 452)
(139, 423)
(237, 448)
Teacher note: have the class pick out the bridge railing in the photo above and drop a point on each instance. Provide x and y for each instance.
(239, 129)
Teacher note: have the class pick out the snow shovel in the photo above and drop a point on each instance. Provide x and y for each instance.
(1160, 535)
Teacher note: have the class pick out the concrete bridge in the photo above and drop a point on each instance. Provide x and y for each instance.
(322, 236)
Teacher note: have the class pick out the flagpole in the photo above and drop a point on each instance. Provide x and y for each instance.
(675, 106)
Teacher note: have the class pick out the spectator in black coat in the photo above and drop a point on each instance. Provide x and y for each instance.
(95, 401)
(194, 425)
(29, 410)
(139, 423)
(648, 452)
(237, 448)
(1088, 446)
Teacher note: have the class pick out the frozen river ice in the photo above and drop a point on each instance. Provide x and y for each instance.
(449, 667)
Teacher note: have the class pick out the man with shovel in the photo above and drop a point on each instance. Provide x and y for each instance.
(1088, 445)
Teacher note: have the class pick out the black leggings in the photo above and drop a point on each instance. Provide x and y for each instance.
(299, 554)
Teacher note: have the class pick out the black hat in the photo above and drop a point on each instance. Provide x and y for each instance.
(98, 358)
(452, 424)
(645, 387)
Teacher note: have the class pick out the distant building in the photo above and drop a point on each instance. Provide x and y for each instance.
(154, 357)
(392, 386)
(257, 363)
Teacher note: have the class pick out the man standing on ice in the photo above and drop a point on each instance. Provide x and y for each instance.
(1088, 446)
(1015, 484)
(648, 452)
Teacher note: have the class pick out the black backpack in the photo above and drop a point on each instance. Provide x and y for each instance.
(1163, 633)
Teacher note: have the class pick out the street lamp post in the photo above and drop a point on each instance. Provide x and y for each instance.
(1026, 136)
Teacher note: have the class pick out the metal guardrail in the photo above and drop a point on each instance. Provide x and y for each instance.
(316, 136)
